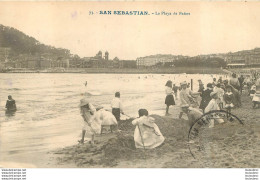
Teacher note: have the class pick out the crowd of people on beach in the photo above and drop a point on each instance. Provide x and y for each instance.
(217, 95)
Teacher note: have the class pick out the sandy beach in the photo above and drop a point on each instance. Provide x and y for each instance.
(229, 145)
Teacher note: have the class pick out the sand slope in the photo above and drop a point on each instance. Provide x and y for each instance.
(226, 145)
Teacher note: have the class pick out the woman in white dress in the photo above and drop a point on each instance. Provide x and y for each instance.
(107, 119)
(213, 106)
(147, 134)
(92, 124)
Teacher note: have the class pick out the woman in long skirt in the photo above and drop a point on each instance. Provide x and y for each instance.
(169, 100)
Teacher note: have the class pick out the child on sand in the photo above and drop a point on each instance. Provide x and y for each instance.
(175, 90)
(186, 97)
(92, 125)
(169, 100)
(117, 106)
(252, 90)
(213, 106)
(147, 134)
(229, 99)
(193, 114)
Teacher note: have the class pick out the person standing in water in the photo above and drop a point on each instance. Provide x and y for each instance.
(169, 100)
(10, 104)
(117, 107)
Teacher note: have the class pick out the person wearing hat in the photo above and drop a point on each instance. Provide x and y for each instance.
(186, 97)
(193, 114)
(213, 106)
(92, 124)
(206, 96)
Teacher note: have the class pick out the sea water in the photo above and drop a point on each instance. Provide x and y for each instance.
(48, 114)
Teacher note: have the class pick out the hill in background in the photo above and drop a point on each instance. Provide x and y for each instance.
(16, 43)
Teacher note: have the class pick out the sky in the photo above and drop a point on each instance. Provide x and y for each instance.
(211, 27)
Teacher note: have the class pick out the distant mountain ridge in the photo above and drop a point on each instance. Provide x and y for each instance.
(17, 46)
(221, 55)
(20, 43)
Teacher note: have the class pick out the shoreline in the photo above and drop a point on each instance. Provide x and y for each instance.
(179, 70)
(237, 146)
(237, 143)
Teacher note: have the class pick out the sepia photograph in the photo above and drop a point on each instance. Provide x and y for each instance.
(129, 84)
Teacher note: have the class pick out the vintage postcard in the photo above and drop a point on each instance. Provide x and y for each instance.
(129, 84)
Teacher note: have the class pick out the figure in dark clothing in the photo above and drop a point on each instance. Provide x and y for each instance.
(206, 96)
(117, 107)
(201, 86)
(234, 82)
(10, 104)
(169, 100)
(220, 80)
(241, 81)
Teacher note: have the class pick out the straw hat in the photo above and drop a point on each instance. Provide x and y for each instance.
(213, 93)
(83, 102)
